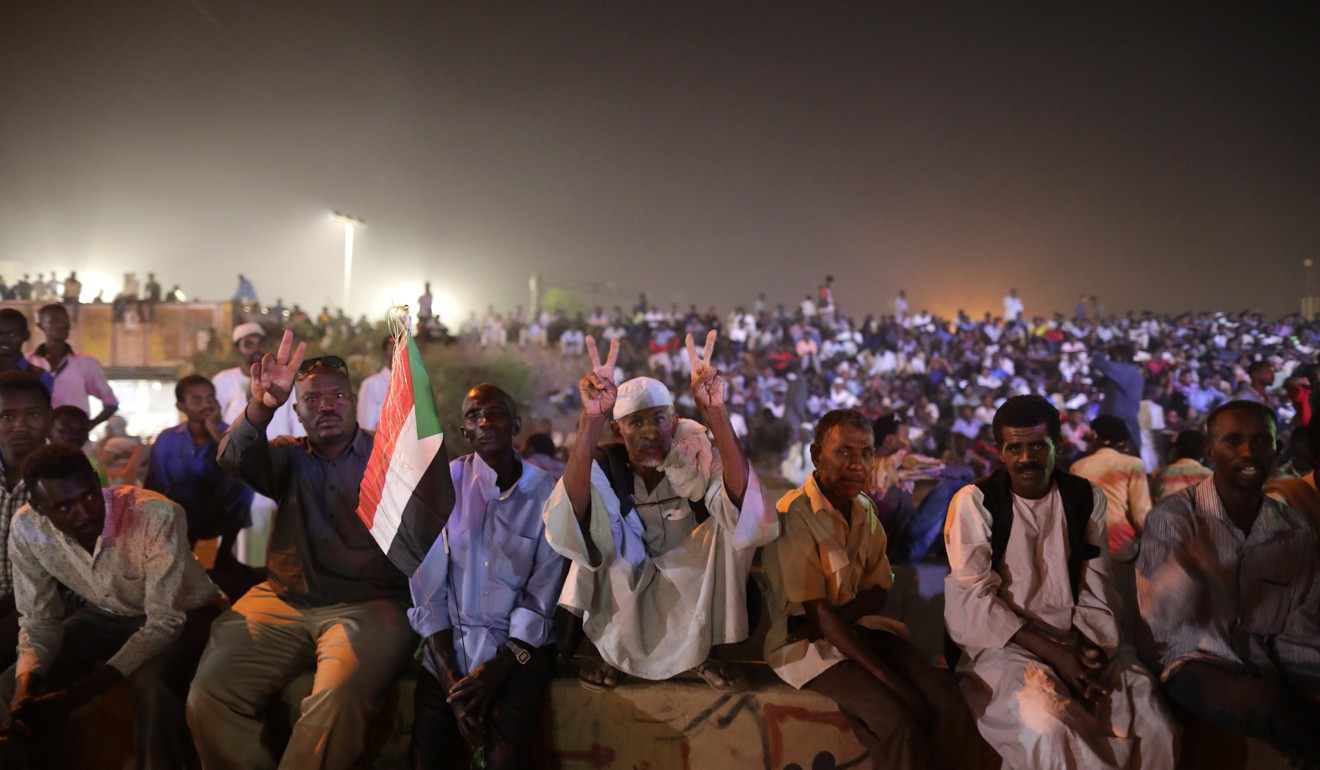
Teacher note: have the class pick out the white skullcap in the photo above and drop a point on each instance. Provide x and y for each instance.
(247, 330)
(641, 393)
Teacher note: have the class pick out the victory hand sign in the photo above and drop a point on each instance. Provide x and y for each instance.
(707, 384)
(597, 389)
(272, 376)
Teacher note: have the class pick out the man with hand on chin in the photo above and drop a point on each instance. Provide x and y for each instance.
(1030, 602)
(660, 528)
(1229, 585)
(485, 600)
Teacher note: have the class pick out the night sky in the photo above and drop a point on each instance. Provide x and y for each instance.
(1163, 158)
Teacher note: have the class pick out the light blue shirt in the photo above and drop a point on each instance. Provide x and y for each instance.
(492, 575)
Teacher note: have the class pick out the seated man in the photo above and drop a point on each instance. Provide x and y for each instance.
(1186, 468)
(25, 418)
(911, 491)
(183, 467)
(149, 605)
(661, 528)
(70, 426)
(1229, 582)
(1029, 602)
(829, 577)
(1122, 477)
(490, 650)
(333, 601)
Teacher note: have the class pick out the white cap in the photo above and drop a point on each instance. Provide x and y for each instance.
(641, 393)
(247, 330)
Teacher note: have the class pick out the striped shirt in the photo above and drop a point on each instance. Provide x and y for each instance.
(1253, 600)
(10, 501)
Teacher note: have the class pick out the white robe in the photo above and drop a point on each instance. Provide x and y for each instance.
(665, 589)
(1022, 707)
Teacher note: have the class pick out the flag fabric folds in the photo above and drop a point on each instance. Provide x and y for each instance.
(407, 494)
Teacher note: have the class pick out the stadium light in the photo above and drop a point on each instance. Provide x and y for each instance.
(350, 224)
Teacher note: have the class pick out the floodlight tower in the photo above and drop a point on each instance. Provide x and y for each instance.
(350, 224)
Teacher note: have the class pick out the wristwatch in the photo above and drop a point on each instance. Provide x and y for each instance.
(520, 654)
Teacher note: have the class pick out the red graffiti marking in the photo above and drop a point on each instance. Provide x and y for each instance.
(777, 716)
(598, 757)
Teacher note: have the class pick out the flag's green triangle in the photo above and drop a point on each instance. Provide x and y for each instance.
(428, 418)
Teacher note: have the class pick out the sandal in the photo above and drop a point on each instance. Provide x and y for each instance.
(723, 676)
(599, 676)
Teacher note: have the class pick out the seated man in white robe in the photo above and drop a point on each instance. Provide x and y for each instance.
(660, 529)
(1030, 602)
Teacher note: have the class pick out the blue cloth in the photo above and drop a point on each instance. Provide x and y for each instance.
(1122, 391)
(913, 530)
(24, 365)
(492, 575)
(190, 476)
(245, 292)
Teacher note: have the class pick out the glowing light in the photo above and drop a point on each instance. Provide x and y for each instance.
(350, 224)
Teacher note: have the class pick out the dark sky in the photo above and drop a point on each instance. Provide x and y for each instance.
(1162, 158)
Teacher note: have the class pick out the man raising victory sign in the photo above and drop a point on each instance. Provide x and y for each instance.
(660, 527)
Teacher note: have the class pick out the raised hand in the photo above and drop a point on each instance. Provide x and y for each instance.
(598, 389)
(272, 376)
(707, 384)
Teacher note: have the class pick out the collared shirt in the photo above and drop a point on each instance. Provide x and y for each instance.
(1256, 598)
(140, 566)
(1176, 476)
(984, 607)
(492, 575)
(11, 500)
(1123, 480)
(77, 378)
(820, 555)
(371, 398)
(320, 552)
(190, 476)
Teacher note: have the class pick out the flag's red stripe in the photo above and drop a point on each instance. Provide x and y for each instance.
(398, 404)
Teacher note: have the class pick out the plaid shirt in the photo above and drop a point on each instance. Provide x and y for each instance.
(10, 501)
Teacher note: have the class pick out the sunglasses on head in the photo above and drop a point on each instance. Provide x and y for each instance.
(328, 362)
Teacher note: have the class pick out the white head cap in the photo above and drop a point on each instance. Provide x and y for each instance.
(641, 393)
(247, 330)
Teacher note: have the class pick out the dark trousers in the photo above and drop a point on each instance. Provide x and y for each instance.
(515, 711)
(1247, 703)
(159, 686)
(8, 640)
(893, 737)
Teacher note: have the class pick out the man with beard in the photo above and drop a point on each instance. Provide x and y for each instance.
(1229, 582)
(484, 601)
(660, 528)
(829, 577)
(1030, 603)
(333, 599)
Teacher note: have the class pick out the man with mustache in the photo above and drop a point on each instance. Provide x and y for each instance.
(1229, 582)
(829, 577)
(1030, 603)
(333, 599)
(660, 528)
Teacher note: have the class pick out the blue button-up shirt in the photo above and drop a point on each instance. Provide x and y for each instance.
(190, 476)
(492, 575)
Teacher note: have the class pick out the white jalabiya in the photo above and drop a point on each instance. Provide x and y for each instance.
(664, 588)
(1022, 707)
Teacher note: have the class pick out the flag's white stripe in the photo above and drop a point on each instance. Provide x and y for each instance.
(409, 461)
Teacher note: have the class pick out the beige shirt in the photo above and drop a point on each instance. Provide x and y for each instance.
(1123, 480)
(821, 555)
(984, 607)
(665, 588)
(140, 566)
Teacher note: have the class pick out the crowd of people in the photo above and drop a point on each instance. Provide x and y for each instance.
(1027, 455)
